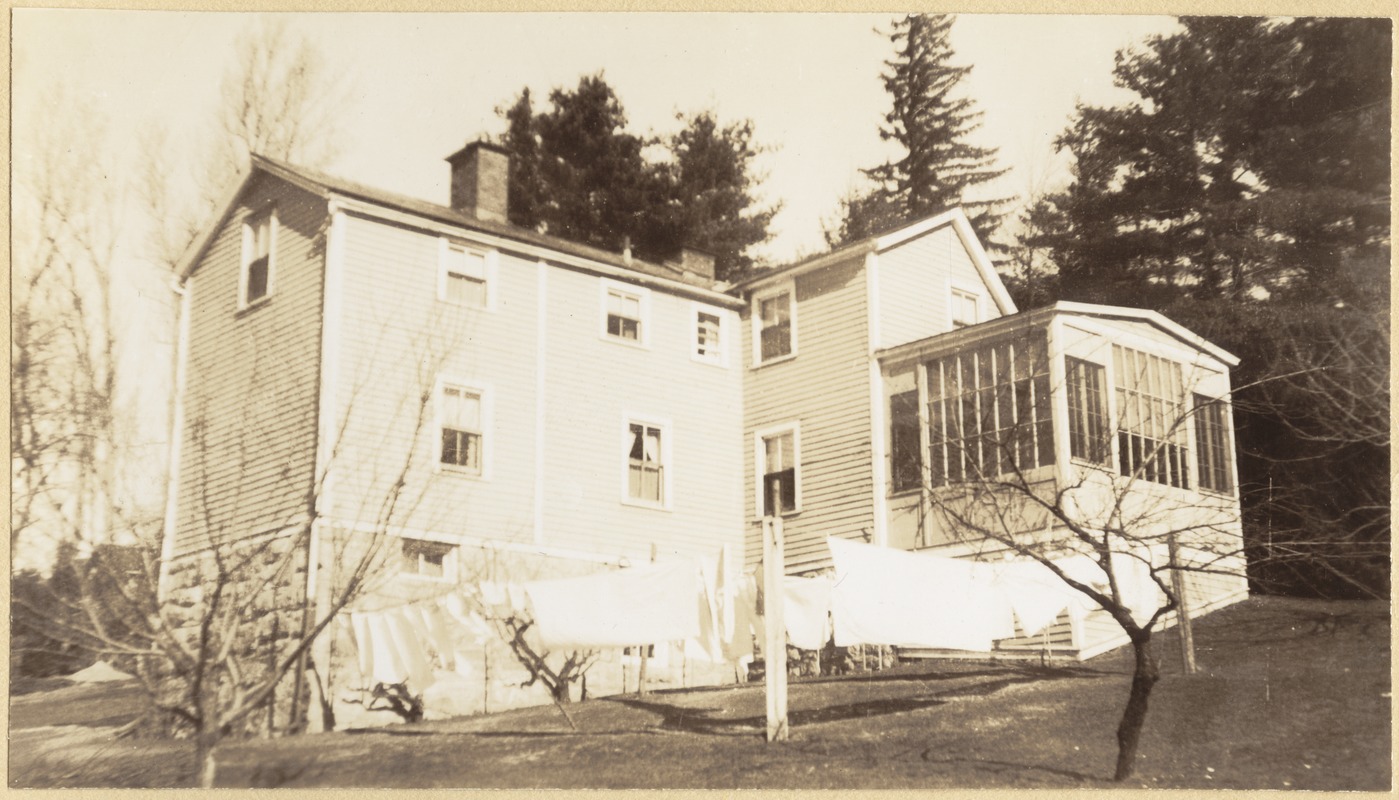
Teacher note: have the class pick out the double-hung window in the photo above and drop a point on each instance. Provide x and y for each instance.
(965, 308)
(1212, 449)
(774, 317)
(1088, 415)
(710, 346)
(465, 279)
(259, 245)
(1151, 431)
(646, 469)
(461, 428)
(779, 467)
(625, 309)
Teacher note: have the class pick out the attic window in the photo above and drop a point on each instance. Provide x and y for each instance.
(625, 309)
(255, 279)
(465, 275)
(965, 309)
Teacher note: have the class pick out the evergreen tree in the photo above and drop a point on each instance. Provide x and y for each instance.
(1245, 193)
(579, 172)
(931, 123)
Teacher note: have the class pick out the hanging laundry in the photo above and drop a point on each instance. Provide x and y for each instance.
(388, 665)
(411, 649)
(708, 642)
(884, 596)
(746, 622)
(806, 610)
(1035, 594)
(363, 651)
(642, 605)
(439, 638)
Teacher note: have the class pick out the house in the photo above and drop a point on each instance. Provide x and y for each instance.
(372, 362)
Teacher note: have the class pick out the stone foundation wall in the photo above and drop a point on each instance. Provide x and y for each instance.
(265, 582)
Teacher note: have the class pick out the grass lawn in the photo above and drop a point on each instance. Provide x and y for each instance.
(1290, 694)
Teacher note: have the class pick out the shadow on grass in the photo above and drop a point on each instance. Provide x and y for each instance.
(1010, 767)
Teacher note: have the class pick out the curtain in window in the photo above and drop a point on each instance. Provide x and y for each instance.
(645, 471)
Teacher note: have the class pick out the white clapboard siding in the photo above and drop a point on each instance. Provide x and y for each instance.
(914, 282)
(825, 388)
(395, 330)
(248, 448)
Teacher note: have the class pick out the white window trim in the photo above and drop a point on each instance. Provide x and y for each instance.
(720, 358)
(965, 288)
(245, 260)
(487, 427)
(760, 463)
(642, 294)
(790, 288)
(450, 561)
(667, 462)
(492, 258)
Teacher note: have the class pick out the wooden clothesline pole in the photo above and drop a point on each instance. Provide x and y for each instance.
(641, 673)
(774, 626)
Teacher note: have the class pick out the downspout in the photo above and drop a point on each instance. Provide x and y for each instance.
(177, 414)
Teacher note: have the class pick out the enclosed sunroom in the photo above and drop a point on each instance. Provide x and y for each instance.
(1118, 418)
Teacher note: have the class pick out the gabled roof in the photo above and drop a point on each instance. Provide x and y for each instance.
(331, 187)
(1000, 325)
(956, 218)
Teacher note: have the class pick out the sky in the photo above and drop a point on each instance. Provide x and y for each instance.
(422, 84)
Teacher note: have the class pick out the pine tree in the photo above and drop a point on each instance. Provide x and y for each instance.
(577, 171)
(932, 124)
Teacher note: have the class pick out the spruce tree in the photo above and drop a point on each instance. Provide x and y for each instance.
(932, 122)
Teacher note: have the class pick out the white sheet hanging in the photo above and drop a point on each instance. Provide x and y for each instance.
(642, 605)
(884, 596)
(806, 611)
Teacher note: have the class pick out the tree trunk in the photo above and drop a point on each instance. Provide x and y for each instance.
(205, 742)
(1129, 730)
(561, 693)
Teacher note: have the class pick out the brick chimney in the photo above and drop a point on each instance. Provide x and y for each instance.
(696, 265)
(481, 181)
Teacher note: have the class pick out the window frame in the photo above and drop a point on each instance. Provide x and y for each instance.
(1200, 410)
(1140, 401)
(666, 461)
(642, 295)
(719, 355)
(896, 487)
(248, 234)
(760, 438)
(450, 551)
(1022, 395)
(755, 314)
(1104, 417)
(490, 257)
(955, 289)
(483, 395)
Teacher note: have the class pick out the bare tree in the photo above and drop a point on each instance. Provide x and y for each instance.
(1123, 508)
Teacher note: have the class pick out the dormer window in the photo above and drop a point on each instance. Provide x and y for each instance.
(255, 280)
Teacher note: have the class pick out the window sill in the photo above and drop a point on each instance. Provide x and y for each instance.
(460, 472)
(779, 360)
(632, 502)
(785, 515)
(414, 577)
(639, 344)
(450, 304)
(721, 363)
(248, 308)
